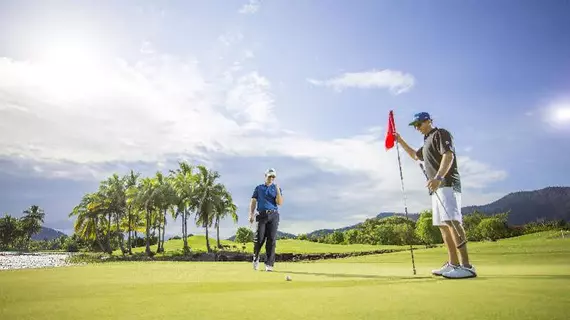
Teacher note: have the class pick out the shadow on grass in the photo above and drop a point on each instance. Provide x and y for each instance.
(365, 276)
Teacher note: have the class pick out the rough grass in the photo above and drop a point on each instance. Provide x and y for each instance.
(520, 278)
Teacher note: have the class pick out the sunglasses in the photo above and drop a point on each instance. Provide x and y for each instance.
(418, 124)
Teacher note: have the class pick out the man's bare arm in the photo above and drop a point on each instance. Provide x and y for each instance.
(445, 165)
(252, 205)
(411, 152)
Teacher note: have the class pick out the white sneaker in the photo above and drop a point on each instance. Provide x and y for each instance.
(255, 264)
(460, 272)
(269, 268)
(445, 268)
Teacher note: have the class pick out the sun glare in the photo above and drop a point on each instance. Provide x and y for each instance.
(67, 55)
(558, 115)
(73, 68)
(562, 114)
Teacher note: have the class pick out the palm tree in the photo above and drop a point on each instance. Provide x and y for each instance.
(90, 217)
(166, 199)
(131, 181)
(106, 206)
(131, 204)
(223, 208)
(113, 190)
(184, 184)
(32, 221)
(137, 210)
(147, 199)
(209, 193)
(10, 232)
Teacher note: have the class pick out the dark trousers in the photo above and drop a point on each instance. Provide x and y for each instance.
(267, 224)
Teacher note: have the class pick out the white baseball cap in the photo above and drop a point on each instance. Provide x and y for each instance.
(270, 172)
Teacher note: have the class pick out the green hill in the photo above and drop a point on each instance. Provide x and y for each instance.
(197, 243)
(552, 203)
(280, 235)
(47, 234)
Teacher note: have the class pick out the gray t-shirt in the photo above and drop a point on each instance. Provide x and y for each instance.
(437, 142)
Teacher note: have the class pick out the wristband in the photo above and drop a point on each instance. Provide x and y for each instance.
(440, 178)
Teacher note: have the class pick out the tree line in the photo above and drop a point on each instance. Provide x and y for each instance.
(16, 233)
(113, 216)
(397, 230)
(131, 204)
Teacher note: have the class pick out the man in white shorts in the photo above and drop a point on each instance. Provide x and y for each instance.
(444, 185)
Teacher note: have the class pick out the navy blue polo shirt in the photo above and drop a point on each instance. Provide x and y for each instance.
(266, 197)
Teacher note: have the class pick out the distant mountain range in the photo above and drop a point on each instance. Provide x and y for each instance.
(381, 215)
(47, 233)
(551, 203)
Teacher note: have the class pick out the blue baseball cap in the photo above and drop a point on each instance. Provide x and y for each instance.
(420, 117)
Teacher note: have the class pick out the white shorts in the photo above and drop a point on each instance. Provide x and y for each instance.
(451, 209)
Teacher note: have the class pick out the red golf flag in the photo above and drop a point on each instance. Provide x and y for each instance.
(390, 137)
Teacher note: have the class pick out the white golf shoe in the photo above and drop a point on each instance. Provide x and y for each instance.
(269, 268)
(460, 272)
(255, 264)
(445, 268)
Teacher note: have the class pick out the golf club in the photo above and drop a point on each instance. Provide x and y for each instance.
(463, 241)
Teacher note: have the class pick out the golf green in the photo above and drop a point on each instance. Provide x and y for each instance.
(520, 278)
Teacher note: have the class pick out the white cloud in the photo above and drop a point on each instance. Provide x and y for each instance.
(66, 122)
(396, 82)
(250, 100)
(231, 38)
(147, 48)
(153, 107)
(377, 181)
(248, 54)
(250, 8)
(365, 179)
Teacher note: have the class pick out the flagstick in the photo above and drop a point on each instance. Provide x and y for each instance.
(405, 204)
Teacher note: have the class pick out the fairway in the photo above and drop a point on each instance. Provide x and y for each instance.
(519, 278)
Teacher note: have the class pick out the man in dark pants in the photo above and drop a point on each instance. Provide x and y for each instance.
(266, 197)
(438, 155)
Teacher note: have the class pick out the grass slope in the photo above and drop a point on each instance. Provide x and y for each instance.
(521, 278)
(198, 243)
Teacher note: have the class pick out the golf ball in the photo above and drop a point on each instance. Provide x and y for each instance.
(287, 278)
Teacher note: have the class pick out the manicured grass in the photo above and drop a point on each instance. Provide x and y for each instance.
(198, 243)
(521, 278)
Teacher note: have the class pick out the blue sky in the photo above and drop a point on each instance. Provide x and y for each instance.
(88, 88)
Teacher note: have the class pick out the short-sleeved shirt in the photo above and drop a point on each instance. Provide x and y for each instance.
(437, 142)
(266, 197)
